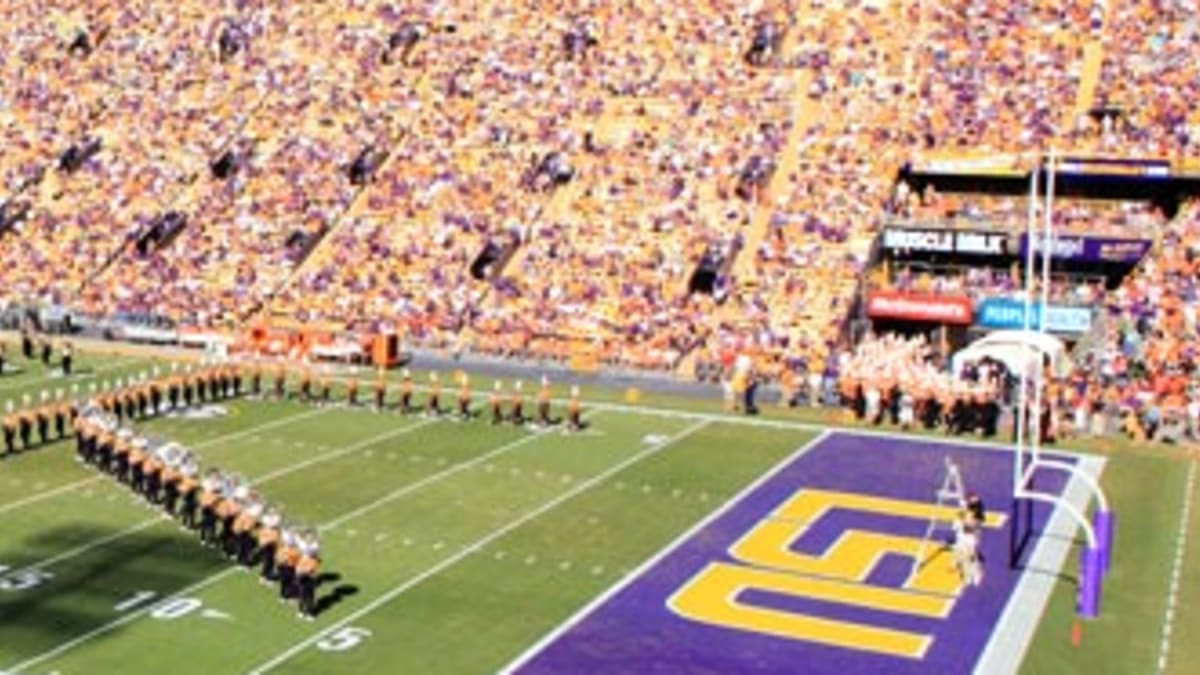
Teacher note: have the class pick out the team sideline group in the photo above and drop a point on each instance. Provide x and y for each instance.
(222, 506)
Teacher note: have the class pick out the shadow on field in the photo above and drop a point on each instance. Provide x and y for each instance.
(1075, 541)
(1062, 575)
(335, 595)
(1029, 542)
(63, 598)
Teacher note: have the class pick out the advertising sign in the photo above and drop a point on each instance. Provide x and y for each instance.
(951, 309)
(1078, 248)
(1009, 314)
(945, 241)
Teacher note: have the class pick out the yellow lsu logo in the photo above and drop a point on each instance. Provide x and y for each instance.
(768, 563)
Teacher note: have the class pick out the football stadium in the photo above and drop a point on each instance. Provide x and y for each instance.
(802, 336)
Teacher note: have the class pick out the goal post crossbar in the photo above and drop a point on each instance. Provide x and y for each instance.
(1094, 563)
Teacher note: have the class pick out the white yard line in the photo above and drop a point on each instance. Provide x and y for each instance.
(210, 580)
(578, 617)
(467, 550)
(32, 499)
(41, 496)
(265, 478)
(281, 422)
(329, 456)
(1014, 631)
(461, 466)
(726, 418)
(1164, 648)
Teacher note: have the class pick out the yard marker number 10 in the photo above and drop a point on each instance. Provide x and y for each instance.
(172, 608)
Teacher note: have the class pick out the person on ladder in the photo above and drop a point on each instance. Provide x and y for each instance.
(967, 528)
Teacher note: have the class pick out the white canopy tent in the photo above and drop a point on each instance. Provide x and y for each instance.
(1018, 350)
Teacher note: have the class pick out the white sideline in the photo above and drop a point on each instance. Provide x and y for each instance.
(956, 441)
(5, 508)
(476, 545)
(83, 375)
(538, 647)
(265, 478)
(815, 427)
(1185, 514)
(203, 583)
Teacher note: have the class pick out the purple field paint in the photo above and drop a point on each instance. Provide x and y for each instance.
(1104, 523)
(1091, 566)
(635, 631)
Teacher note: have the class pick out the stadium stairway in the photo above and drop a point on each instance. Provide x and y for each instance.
(804, 116)
(1089, 80)
(319, 252)
(806, 113)
(811, 315)
(314, 253)
(1092, 66)
(561, 203)
(185, 198)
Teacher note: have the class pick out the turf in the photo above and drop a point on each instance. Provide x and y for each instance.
(1147, 494)
(453, 546)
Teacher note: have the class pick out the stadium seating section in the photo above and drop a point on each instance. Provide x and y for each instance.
(345, 163)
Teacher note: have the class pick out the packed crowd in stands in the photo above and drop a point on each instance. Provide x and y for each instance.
(343, 164)
(1147, 365)
(980, 283)
(297, 121)
(1149, 75)
(792, 298)
(643, 152)
(1006, 70)
(1010, 214)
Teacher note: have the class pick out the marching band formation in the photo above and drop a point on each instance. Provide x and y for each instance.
(504, 407)
(222, 507)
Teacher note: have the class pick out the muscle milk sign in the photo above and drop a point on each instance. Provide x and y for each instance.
(944, 241)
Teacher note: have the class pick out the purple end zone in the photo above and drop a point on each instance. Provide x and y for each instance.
(634, 631)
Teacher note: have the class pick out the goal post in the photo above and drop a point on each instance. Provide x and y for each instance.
(1095, 559)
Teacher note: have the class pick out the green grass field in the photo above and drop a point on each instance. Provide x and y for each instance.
(458, 545)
